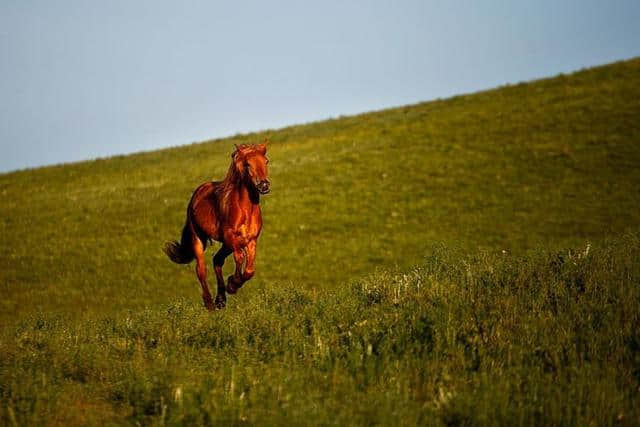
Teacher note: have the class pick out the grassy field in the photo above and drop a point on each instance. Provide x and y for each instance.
(472, 260)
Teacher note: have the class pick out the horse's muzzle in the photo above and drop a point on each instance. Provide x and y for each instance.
(263, 186)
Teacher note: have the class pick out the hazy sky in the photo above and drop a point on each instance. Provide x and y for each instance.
(83, 79)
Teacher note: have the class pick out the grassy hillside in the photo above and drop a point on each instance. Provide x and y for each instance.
(98, 323)
(550, 163)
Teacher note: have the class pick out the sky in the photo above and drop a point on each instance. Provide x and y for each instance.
(86, 79)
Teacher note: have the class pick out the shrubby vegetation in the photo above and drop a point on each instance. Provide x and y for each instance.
(551, 338)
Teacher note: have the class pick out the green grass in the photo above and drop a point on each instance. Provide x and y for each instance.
(339, 325)
(485, 339)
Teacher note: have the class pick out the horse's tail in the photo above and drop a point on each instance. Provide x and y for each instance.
(181, 252)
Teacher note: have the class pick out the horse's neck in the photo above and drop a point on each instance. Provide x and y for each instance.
(246, 198)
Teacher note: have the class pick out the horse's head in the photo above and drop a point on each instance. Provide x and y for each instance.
(251, 162)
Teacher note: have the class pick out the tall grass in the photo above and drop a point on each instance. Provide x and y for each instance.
(551, 338)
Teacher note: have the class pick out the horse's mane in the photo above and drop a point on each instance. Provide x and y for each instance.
(232, 180)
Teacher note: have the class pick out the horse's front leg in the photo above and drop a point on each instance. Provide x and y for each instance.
(244, 256)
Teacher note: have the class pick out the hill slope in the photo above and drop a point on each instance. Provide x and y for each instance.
(99, 327)
(553, 163)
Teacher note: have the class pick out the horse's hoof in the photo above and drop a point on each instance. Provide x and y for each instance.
(220, 302)
(208, 302)
(231, 286)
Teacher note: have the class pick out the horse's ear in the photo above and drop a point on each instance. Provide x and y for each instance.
(262, 148)
(238, 159)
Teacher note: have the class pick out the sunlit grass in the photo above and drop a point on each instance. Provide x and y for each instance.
(494, 339)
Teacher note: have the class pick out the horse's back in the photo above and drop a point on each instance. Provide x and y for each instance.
(204, 210)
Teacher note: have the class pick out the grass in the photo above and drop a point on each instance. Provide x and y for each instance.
(356, 315)
(551, 338)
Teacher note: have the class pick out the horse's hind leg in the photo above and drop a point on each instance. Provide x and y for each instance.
(201, 272)
(218, 262)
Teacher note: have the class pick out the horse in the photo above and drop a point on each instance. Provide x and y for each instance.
(226, 211)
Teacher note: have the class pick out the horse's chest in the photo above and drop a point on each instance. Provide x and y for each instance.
(249, 228)
(253, 226)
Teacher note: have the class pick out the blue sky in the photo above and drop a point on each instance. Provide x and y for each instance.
(86, 79)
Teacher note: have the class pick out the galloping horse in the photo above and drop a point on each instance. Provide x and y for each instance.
(227, 211)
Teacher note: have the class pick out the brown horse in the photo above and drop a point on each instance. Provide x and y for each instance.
(228, 212)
